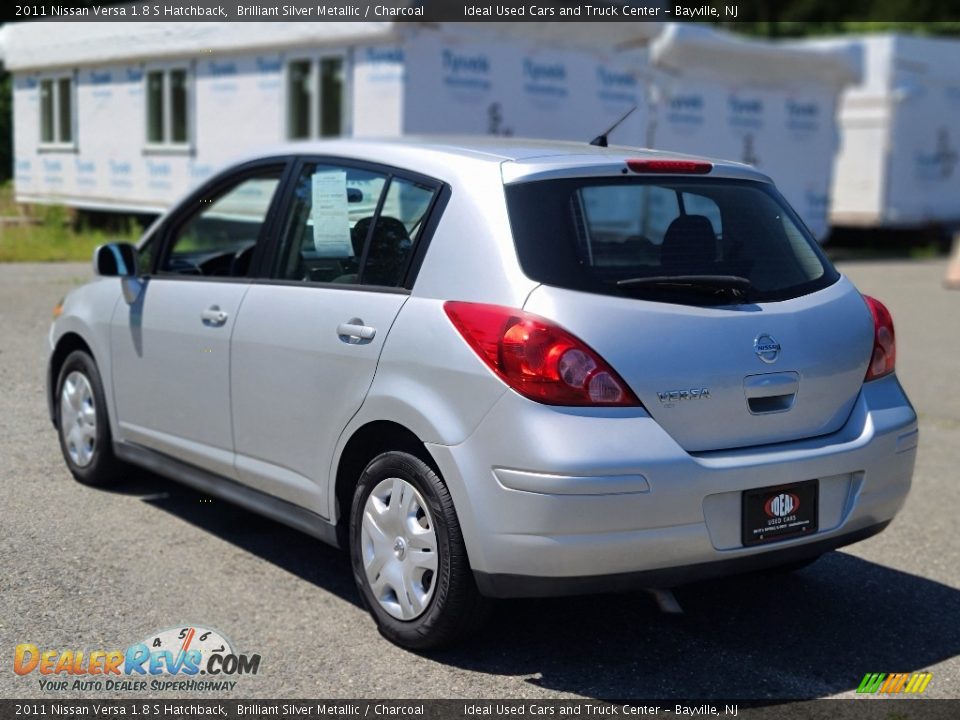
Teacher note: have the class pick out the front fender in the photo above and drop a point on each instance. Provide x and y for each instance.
(87, 313)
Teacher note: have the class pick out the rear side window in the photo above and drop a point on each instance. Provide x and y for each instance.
(352, 226)
(634, 237)
(326, 227)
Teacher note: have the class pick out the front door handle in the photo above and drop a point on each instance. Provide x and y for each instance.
(213, 315)
(354, 331)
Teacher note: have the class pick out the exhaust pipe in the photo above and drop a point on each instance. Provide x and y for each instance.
(666, 601)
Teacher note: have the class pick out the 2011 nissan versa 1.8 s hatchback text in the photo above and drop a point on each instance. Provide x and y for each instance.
(494, 368)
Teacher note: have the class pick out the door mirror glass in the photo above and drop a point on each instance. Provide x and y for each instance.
(115, 260)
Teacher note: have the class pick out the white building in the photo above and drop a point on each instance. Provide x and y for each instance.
(127, 116)
(770, 105)
(899, 162)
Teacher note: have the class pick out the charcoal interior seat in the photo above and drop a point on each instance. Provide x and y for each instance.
(389, 248)
(689, 247)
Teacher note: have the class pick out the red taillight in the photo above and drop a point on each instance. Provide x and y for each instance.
(538, 358)
(884, 356)
(688, 167)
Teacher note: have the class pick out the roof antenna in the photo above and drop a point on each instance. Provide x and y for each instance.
(601, 140)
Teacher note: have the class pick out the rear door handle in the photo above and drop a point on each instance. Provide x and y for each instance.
(213, 315)
(354, 331)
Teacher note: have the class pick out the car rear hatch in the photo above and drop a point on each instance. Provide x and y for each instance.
(705, 294)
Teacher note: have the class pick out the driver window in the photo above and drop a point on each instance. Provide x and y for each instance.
(220, 238)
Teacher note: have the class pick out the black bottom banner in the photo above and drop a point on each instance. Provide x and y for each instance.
(852, 709)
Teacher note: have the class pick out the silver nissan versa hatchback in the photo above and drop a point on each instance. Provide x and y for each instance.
(494, 368)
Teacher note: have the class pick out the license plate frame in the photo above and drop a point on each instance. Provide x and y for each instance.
(779, 512)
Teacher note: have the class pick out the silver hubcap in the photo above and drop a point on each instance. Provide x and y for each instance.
(398, 543)
(78, 418)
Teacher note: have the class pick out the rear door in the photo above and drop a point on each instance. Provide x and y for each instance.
(640, 270)
(307, 342)
(171, 348)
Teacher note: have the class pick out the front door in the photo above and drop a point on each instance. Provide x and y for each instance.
(171, 347)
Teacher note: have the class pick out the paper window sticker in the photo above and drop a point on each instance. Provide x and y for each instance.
(331, 222)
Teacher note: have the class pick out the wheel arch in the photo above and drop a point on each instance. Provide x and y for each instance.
(68, 343)
(365, 443)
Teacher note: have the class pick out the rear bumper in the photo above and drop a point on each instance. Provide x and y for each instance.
(570, 500)
(509, 586)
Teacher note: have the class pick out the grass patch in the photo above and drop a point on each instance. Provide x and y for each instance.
(50, 233)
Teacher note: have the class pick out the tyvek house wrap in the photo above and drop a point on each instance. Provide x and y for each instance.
(548, 79)
(899, 160)
(770, 105)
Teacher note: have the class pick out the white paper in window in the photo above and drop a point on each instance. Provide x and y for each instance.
(331, 223)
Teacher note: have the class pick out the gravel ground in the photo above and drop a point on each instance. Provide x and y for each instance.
(91, 569)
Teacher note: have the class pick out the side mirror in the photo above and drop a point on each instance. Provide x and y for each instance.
(116, 260)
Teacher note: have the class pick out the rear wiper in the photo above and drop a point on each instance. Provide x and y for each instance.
(732, 286)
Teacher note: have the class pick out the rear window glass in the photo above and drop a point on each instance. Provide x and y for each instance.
(630, 236)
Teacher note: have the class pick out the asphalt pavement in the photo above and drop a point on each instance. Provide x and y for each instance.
(101, 569)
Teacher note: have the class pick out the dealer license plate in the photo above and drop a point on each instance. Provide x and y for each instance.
(779, 512)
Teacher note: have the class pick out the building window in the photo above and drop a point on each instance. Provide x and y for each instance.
(315, 98)
(168, 107)
(56, 111)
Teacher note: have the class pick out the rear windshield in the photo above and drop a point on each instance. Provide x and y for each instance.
(631, 236)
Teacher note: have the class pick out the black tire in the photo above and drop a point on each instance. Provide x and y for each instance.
(790, 567)
(102, 468)
(455, 608)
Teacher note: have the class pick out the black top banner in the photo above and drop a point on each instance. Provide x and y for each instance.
(350, 11)
(942, 16)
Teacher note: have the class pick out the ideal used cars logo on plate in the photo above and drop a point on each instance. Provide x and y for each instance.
(180, 659)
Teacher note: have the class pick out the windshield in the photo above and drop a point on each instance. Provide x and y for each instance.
(632, 236)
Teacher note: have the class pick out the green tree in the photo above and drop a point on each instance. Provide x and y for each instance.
(798, 18)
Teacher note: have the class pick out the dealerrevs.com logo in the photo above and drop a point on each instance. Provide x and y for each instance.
(178, 659)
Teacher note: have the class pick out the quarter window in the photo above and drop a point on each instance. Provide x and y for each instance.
(56, 111)
(219, 239)
(168, 107)
(315, 98)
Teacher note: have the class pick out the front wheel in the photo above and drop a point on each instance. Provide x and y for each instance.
(408, 555)
(82, 423)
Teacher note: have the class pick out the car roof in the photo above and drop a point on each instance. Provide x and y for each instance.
(528, 156)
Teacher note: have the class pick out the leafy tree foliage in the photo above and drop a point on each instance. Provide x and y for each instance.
(799, 18)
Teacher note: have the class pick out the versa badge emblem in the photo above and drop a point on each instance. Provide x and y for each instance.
(669, 398)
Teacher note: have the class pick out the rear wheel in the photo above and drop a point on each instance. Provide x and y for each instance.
(82, 422)
(408, 555)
